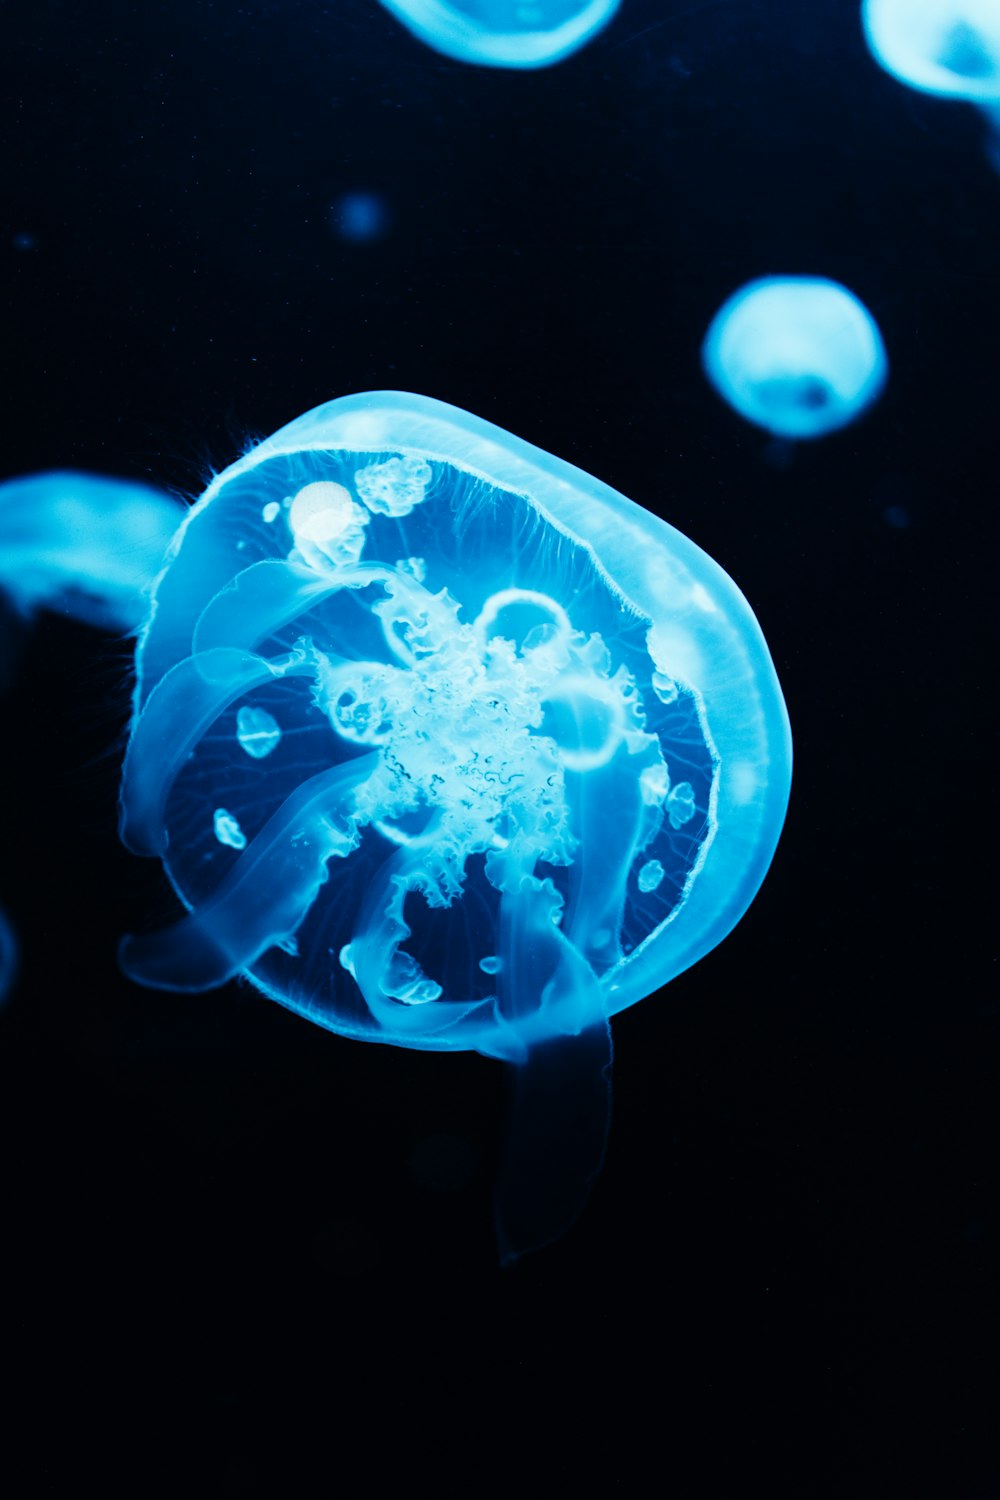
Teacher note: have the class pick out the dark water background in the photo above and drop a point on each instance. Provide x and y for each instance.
(248, 1257)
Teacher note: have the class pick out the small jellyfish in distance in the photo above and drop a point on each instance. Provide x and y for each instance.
(360, 218)
(527, 758)
(797, 355)
(504, 33)
(8, 956)
(83, 545)
(946, 47)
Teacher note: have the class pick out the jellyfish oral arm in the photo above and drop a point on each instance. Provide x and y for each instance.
(177, 713)
(266, 895)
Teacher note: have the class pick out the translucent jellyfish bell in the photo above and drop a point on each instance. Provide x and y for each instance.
(504, 33)
(797, 355)
(446, 744)
(945, 47)
(83, 545)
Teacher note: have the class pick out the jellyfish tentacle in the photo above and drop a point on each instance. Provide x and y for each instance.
(269, 595)
(399, 995)
(607, 820)
(176, 714)
(266, 894)
(560, 1110)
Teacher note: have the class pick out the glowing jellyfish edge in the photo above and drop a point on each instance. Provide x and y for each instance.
(702, 633)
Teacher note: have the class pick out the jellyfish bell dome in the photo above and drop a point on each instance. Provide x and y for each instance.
(504, 33)
(436, 686)
(797, 355)
(946, 47)
(445, 744)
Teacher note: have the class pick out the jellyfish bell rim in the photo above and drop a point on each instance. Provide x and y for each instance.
(898, 32)
(700, 621)
(733, 324)
(437, 24)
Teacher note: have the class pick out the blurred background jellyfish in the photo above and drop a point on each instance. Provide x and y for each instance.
(444, 743)
(797, 355)
(945, 47)
(360, 218)
(8, 956)
(83, 545)
(504, 33)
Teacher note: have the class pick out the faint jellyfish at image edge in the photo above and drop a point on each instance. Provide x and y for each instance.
(82, 546)
(8, 956)
(504, 33)
(948, 48)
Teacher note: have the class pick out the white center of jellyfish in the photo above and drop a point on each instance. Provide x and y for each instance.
(327, 524)
(477, 731)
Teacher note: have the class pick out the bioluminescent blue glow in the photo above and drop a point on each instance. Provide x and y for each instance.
(504, 33)
(446, 744)
(798, 355)
(945, 47)
(83, 545)
(360, 218)
(8, 956)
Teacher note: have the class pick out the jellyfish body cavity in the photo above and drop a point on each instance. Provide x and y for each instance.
(799, 356)
(504, 33)
(457, 748)
(83, 545)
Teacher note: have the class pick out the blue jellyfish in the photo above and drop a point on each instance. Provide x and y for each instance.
(504, 33)
(798, 355)
(83, 545)
(444, 743)
(8, 956)
(945, 47)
